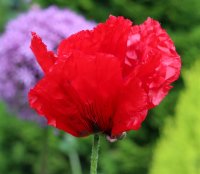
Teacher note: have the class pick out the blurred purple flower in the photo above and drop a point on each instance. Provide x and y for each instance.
(18, 68)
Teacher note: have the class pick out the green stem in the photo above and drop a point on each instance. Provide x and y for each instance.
(94, 156)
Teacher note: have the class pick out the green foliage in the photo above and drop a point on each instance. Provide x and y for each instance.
(9, 9)
(178, 149)
(22, 145)
(124, 157)
(183, 14)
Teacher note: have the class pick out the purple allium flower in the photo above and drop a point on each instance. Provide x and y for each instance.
(18, 68)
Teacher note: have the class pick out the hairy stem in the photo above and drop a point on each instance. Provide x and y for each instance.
(94, 156)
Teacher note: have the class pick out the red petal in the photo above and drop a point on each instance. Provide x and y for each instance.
(77, 94)
(45, 58)
(58, 104)
(152, 57)
(132, 108)
(109, 37)
(97, 80)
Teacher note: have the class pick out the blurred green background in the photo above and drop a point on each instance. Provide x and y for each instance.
(169, 140)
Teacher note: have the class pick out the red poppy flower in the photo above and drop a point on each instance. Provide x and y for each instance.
(105, 79)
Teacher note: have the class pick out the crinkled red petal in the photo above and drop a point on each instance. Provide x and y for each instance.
(45, 58)
(109, 37)
(132, 107)
(151, 56)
